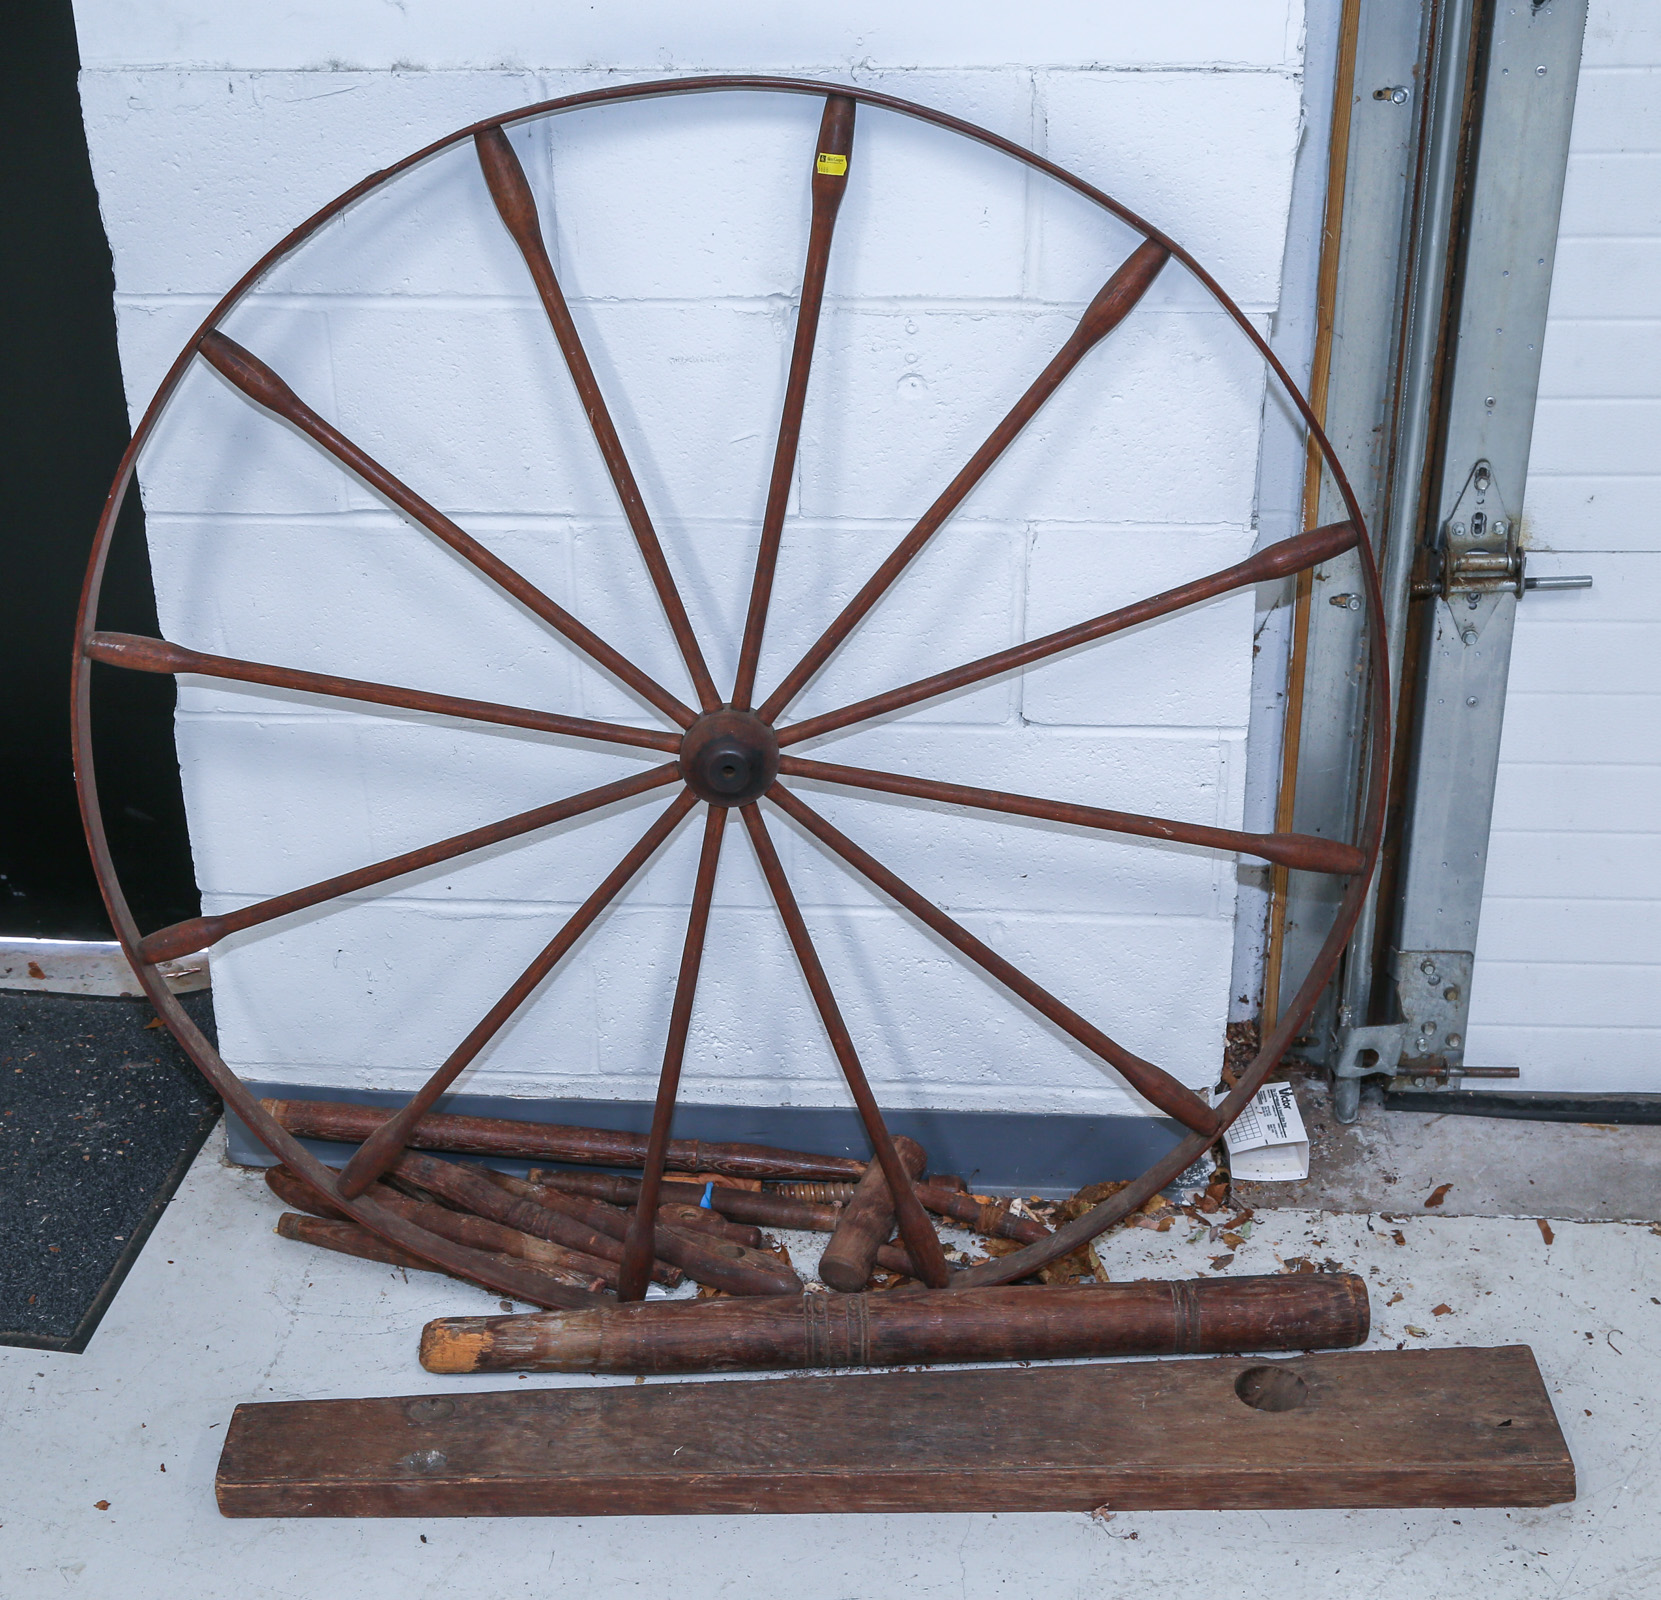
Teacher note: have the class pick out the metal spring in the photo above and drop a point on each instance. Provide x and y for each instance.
(821, 1194)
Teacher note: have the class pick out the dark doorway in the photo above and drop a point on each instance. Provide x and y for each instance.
(63, 426)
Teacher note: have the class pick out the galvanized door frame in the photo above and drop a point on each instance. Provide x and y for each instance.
(1453, 117)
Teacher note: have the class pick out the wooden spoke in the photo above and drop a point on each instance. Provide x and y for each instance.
(1278, 561)
(386, 1144)
(199, 932)
(256, 380)
(157, 655)
(636, 1267)
(830, 180)
(517, 207)
(1111, 306)
(922, 1242)
(1300, 851)
(1151, 1082)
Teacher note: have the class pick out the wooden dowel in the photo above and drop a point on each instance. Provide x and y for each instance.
(348, 1239)
(470, 1189)
(344, 1123)
(819, 1194)
(769, 1210)
(993, 1218)
(720, 1263)
(866, 1222)
(1304, 1311)
(690, 1217)
(564, 1266)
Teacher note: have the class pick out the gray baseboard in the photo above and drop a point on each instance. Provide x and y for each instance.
(1007, 1152)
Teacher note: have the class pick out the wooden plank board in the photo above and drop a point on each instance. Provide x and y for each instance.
(1461, 1427)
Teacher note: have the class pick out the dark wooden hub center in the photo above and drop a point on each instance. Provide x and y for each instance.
(729, 757)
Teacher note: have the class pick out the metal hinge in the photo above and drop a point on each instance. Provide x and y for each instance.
(1479, 552)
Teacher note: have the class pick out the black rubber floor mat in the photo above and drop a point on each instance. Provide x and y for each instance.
(100, 1118)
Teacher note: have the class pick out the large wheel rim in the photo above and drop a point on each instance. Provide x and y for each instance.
(733, 757)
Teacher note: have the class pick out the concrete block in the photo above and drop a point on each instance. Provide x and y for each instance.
(281, 802)
(365, 595)
(967, 861)
(1205, 157)
(213, 450)
(660, 37)
(1190, 668)
(1158, 422)
(201, 172)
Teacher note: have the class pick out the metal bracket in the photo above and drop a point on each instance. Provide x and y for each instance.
(1479, 556)
(1433, 988)
(1362, 1052)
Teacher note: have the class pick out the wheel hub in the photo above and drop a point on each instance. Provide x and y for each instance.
(729, 757)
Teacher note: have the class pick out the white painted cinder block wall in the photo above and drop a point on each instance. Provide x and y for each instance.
(678, 229)
(1568, 977)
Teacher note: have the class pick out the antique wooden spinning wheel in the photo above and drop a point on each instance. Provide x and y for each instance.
(728, 753)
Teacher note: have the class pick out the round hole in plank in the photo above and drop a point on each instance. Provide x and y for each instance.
(1271, 1388)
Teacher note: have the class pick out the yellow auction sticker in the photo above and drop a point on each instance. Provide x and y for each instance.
(830, 166)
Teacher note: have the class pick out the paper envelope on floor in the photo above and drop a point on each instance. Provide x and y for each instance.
(1267, 1142)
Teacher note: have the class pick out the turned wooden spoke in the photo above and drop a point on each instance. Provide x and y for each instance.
(1301, 851)
(157, 655)
(256, 380)
(517, 207)
(1151, 1082)
(386, 1144)
(1278, 561)
(922, 1242)
(1111, 306)
(635, 1270)
(830, 180)
(199, 932)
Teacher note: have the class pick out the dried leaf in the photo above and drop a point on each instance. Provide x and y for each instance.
(1545, 1229)
(155, 1022)
(1233, 1240)
(1438, 1195)
(1418, 1333)
(1399, 1236)
(1396, 1298)
(1297, 1264)
(100, 1505)
(1219, 1262)
(1443, 1310)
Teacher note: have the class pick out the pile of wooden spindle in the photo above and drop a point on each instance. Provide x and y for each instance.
(566, 1227)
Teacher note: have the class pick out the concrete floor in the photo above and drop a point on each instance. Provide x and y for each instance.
(1394, 1161)
(219, 1310)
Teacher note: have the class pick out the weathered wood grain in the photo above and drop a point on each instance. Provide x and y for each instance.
(1463, 1427)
